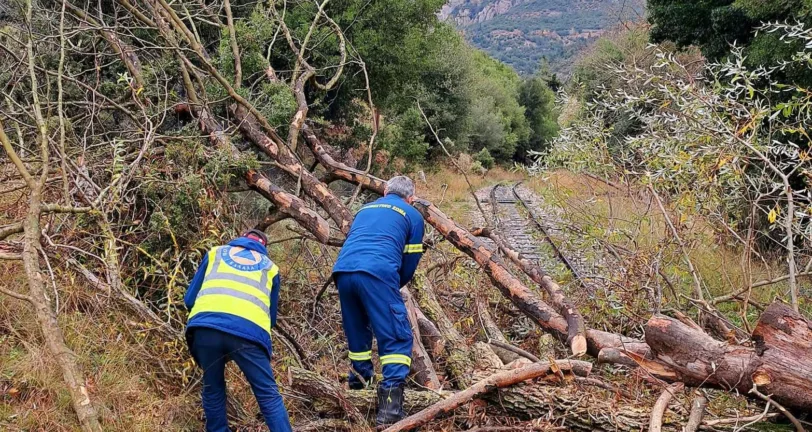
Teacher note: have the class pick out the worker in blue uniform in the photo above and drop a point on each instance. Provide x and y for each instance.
(379, 256)
(233, 299)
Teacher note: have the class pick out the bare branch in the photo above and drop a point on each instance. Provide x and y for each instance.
(235, 49)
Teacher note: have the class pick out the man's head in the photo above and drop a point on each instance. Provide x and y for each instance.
(256, 235)
(401, 186)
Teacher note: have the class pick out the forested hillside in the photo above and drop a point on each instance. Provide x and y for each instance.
(629, 252)
(523, 32)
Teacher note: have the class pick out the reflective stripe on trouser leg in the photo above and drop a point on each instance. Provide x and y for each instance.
(389, 321)
(360, 356)
(396, 359)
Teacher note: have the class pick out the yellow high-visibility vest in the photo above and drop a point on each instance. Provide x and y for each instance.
(238, 282)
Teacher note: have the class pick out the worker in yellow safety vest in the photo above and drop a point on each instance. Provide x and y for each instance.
(233, 300)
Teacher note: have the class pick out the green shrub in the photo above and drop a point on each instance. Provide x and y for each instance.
(484, 158)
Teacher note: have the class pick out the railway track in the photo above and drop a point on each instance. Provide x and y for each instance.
(519, 229)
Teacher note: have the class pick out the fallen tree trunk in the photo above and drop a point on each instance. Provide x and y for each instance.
(458, 355)
(576, 336)
(493, 333)
(330, 399)
(430, 335)
(511, 287)
(338, 169)
(779, 364)
(286, 202)
(312, 186)
(290, 204)
(497, 380)
(422, 369)
(596, 410)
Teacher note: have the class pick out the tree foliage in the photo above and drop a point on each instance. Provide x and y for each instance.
(727, 141)
(718, 25)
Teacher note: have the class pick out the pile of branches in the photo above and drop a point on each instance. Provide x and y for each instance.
(80, 140)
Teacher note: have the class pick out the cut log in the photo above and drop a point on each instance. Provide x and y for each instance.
(779, 364)
(596, 410)
(330, 399)
(593, 410)
(783, 341)
(498, 380)
(328, 393)
(430, 335)
(422, 370)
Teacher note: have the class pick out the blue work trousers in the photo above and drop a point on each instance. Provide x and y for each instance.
(369, 306)
(212, 349)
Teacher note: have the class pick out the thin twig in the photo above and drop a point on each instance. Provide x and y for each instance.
(798, 426)
(15, 295)
(487, 219)
(235, 48)
(515, 350)
(318, 297)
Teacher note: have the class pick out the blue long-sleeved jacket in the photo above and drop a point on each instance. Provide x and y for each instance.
(226, 322)
(385, 241)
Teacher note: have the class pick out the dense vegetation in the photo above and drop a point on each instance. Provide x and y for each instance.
(523, 33)
(725, 140)
(717, 26)
(413, 59)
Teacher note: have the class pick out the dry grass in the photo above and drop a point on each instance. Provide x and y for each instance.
(630, 219)
(119, 364)
(448, 189)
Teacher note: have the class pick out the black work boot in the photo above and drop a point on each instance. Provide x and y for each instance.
(390, 405)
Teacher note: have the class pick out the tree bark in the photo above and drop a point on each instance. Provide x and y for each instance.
(494, 333)
(779, 364)
(46, 318)
(657, 413)
(590, 411)
(783, 339)
(284, 201)
(337, 169)
(576, 330)
(290, 204)
(458, 356)
(330, 399)
(422, 368)
(430, 335)
(698, 406)
(497, 380)
(311, 185)
(124, 51)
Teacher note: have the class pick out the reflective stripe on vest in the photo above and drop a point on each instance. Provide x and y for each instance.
(244, 292)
